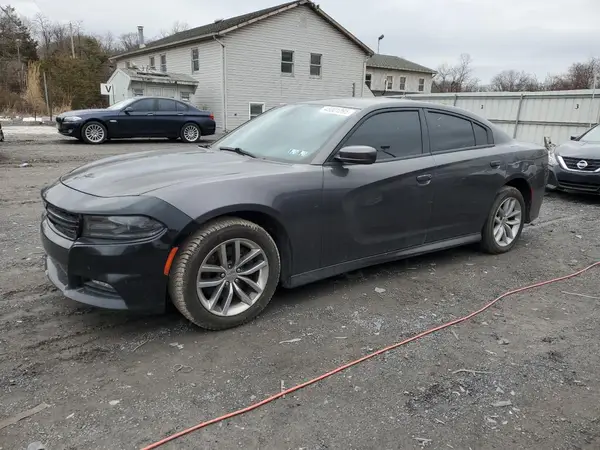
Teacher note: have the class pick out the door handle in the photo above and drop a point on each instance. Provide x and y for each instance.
(495, 164)
(150, 114)
(180, 114)
(424, 179)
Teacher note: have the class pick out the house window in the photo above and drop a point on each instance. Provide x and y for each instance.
(256, 109)
(402, 83)
(163, 63)
(152, 63)
(368, 80)
(287, 62)
(195, 60)
(185, 96)
(315, 64)
(389, 82)
(421, 84)
(138, 92)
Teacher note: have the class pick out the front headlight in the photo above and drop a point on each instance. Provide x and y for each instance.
(120, 227)
(72, 119)
(552, 158)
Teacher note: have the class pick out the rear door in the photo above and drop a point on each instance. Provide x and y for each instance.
(167, 120)
(382, 207)
(469, 171)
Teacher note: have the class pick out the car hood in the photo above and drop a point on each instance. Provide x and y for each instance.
(82, 112)
(579, 149)
(140, 173)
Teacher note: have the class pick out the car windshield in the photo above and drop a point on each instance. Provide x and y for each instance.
(122, 104)
(592, 136)
(291, 133)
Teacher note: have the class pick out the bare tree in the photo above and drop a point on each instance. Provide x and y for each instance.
(514, 81)
(456, 78)
(43, 31)
(177, 27)
(579, 76)
(128, 41)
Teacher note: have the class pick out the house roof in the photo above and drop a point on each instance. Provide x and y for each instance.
(153, 76)
(224, 26)
(396, 63)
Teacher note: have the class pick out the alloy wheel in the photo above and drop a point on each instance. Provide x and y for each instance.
(94, 133)
(191, 133)
(232, 277)
(507, 221)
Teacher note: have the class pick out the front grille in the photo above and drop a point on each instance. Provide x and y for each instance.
(588, 187)
(66, 223)
(592, 164)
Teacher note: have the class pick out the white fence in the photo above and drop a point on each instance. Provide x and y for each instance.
(529, 116)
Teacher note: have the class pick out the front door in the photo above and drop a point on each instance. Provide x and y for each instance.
(382, 207)
(469, 172)
(139, 119)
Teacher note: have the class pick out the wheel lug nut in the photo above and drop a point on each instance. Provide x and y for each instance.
(222, 275)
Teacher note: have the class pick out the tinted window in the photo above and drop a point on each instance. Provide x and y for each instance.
(146, 104)
(449, 132)
(481, 136)
(182, 107)
(393, 134)
(166, 105)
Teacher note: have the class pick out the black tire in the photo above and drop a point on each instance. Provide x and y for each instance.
(185, 136)
(182, 279)
(90, 124)
(488, 243)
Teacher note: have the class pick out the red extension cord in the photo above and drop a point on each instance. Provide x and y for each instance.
(358, 361)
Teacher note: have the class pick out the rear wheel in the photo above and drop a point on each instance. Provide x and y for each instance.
(94, 133)
(190, 132)
(505, 221)
(225, 274)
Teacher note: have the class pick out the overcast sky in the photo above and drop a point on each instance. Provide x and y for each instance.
(539, 36)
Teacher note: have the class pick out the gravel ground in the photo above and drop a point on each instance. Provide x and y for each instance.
(111, 379)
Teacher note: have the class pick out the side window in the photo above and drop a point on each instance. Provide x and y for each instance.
(144, 105)
(394, 134)
(448, 132)
(182, 107)
(481, 135)
(166, 105)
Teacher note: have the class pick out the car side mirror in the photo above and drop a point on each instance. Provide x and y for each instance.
(128, 110)
(357, 154)
(573, 138)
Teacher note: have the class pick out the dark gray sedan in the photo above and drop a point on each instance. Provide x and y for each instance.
(303, 192)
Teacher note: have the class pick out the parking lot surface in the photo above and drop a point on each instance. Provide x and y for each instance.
(523, 375)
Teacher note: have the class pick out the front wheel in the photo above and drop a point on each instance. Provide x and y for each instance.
(190, 132)
(225, 274)
(505, 221)
(94, 133)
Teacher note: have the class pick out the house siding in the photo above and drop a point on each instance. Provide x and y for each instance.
(208, 95)
(120, 86)
(378, 77)
(254, 63)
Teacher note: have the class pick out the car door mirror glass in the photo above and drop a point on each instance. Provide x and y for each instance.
(357, 154)
(573, 138)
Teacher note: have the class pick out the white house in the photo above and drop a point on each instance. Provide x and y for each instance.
(392, 75)
(136, 82)
(247, 64)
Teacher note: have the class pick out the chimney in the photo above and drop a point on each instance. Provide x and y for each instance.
(141, 37)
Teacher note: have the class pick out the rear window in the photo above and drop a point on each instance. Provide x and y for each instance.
(447, 132)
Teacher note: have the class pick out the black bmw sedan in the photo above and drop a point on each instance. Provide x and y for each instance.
(302, 192)
(140, 117)
(575, 165)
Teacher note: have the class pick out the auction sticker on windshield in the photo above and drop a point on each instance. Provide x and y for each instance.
(338, 110)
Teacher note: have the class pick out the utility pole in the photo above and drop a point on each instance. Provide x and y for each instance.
(72, 41)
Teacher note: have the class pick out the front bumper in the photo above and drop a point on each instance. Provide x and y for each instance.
(113, 275)
(578, 181)
(72, 129)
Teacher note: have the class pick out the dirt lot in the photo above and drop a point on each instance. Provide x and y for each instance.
(110, 379)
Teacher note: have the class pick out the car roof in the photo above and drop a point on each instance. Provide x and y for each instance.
(393, 102)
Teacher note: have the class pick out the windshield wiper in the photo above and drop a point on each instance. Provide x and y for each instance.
(238, 150)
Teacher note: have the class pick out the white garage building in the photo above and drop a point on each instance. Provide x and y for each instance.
(247, 64)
